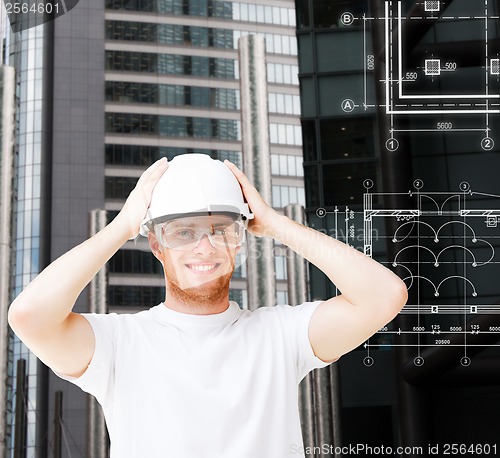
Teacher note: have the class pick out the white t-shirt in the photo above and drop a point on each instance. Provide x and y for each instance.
(201, 386)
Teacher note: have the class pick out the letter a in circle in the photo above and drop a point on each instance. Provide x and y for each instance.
(347, 105)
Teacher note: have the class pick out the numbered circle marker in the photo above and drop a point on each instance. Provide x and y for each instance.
(487, 143)
(368, 184)
(418, 184)
(392, 144)
(418, 361)
(368, 361)
(464, 186)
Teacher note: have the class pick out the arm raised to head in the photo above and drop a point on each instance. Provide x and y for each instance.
(42, 316)
(371, 296)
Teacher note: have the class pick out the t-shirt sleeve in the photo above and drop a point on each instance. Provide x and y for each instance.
(297, 324)
(99, 376)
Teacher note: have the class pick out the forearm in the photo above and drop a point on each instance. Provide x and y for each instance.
(50, 297)
(360, 279)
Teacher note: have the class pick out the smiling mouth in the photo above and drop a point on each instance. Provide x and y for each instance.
(203, 268)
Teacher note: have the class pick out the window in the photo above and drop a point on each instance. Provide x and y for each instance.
(282, 74)
(285, 134)
(170, 64)
(134, 296)
(260, 13)
(217, 8)
(347, 138)
(327, 14)
(342, 182)
(134, 262)
(239, 296)
(173, 126)
(142, 156)
(285, 195)
(119, 187)
(252, 13)
(280, 267)
(310, 146)
(241, 270)
(268, 14)
(176, 95)
(282, 297)
(177, 35)
(284, 103)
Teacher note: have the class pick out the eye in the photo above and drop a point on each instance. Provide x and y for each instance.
(219, 231)
(184, 234)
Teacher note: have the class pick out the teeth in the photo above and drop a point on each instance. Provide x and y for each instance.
(202, 268)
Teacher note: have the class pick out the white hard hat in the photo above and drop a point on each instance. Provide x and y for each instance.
(194, 183)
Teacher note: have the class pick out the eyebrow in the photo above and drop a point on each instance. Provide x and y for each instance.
(180, 224)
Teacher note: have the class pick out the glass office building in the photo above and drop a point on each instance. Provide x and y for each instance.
(23, 51)
(102, 92)
(349, 117)
(172, 87)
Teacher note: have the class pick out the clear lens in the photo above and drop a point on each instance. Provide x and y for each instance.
(186, 233)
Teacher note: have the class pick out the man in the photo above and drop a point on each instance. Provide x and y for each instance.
(196, 376)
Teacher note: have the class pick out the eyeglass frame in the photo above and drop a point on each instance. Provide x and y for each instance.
(157, 225)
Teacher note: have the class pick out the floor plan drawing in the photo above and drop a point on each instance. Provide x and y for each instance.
(423, 88)
(443, 246)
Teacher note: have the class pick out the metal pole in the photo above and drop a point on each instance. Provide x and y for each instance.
(257, 163)
(45, 247)
(336, 407)
(97, 295)
(97, 432)
(58, 424)
(21, 414)
(322, 416)
(7, 104)
(397, 175)
(296, 265)
(298, 294)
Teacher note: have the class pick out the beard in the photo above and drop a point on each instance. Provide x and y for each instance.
(208, 293)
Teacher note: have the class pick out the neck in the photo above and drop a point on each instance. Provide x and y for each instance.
(196, 309)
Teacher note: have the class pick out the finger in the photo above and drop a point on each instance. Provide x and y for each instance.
(242, 178)
(160, 167)
(155, 176)
(250, 192)
(154, 171)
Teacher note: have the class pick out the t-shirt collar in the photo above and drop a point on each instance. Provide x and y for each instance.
(169, 316)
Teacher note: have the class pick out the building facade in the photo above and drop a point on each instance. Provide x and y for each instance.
(407, 389)
(102, 92)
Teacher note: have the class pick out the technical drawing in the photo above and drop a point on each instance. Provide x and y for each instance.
(444, 246)
(432, 67)
(429, 86)
(432, 5)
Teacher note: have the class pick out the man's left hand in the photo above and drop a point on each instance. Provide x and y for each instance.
(266, 219)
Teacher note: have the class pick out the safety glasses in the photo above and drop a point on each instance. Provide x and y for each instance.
(186, 233)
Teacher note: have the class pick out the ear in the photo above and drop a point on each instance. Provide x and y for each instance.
(155, 246)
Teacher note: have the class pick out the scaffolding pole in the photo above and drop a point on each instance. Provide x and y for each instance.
(257, 163)
(7, 104)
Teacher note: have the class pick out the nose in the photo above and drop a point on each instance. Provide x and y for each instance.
(204, 245)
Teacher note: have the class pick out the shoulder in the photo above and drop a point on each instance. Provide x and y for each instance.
(115, 321)
(286, 312)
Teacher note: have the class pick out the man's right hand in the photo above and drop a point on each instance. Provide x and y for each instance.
(137, 203)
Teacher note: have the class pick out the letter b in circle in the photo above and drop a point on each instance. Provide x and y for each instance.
(347, 19)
